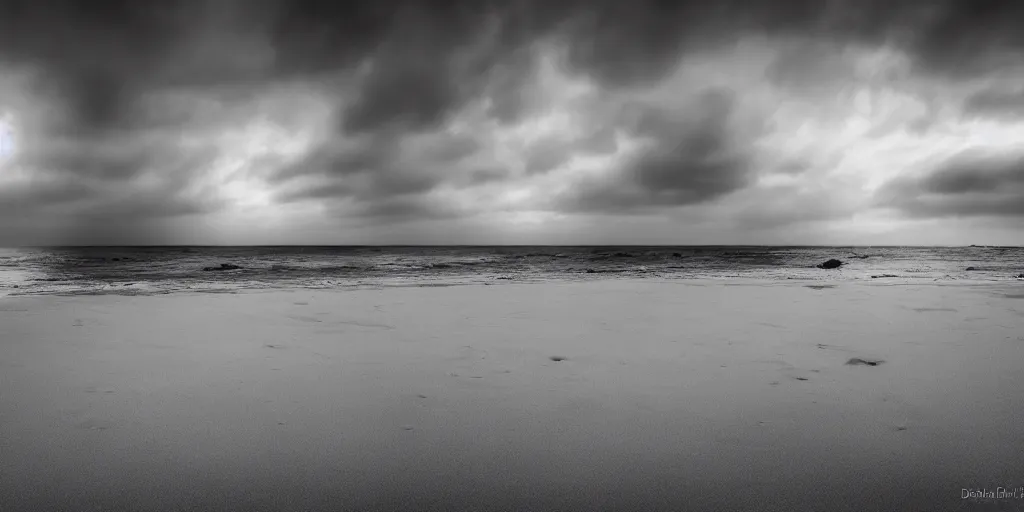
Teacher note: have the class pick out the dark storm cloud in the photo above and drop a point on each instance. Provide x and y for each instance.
(408, 207)
(695, 158)
(96, 56)
(101, 55)
(966, 38)
(408, 65)
(970, 184)
(996, 103)
(88, 161)
(89, 192)
(117, 163)
(426, 59)
(381, 168)
(25, 200)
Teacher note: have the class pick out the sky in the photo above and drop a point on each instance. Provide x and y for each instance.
(807, 122)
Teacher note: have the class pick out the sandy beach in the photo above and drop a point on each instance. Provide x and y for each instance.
(604, 395)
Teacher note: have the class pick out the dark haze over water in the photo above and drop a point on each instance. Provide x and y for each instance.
(145, 270)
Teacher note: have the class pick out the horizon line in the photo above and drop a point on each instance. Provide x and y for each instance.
(86, 246)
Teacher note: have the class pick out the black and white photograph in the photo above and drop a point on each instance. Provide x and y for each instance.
(511, 255)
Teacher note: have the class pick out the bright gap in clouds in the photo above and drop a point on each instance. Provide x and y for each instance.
(244, 151)
(286, 126)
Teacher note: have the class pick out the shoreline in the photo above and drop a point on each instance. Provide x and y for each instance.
(140, 289)
(140, 270)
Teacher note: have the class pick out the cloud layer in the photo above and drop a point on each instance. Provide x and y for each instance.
(222, 121)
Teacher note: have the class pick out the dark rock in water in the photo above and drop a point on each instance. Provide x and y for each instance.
(115, 259)
(968, 269)
(856, 361)
(623, 255)
(223, 266)
(1020, 276)
(833, 263)
(883, 275)
(677, 255)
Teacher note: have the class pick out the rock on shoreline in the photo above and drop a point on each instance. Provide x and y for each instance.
(223, 266)
(830, 264)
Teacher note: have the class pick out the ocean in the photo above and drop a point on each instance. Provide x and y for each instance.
(155, 270)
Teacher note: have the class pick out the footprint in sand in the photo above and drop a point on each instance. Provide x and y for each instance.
(820, 286)
(94, 425)
(792, 371)
(469, 353)
(779, 362)
(835, 347)
(367, 325)
(300, 303)
(274, 346)
(94, 389)
(786, 369)
(854, 361)
(307, 319)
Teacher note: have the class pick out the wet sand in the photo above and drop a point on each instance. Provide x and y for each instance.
(610, 395)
